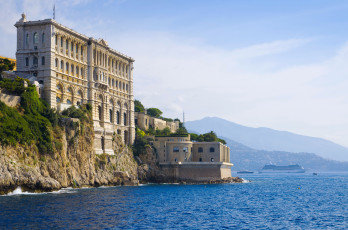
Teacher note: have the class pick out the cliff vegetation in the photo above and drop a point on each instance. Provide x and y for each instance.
(42, 150)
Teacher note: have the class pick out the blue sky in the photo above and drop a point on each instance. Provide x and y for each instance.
(276, 64)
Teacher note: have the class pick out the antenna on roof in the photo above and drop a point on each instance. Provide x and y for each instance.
(54, 11)
(183, 119)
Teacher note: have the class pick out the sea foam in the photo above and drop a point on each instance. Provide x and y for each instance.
(18, 191)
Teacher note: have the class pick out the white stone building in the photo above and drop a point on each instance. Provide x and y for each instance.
(73, 69)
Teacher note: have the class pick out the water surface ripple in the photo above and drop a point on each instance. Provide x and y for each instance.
(291, 201)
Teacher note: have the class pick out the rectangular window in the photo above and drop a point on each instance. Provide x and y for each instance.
(185, 149)
(176, 149)
(26, 61)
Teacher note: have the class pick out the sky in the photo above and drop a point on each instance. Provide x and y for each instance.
(276, 64)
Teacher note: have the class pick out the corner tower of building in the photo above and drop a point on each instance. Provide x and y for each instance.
(74, 69)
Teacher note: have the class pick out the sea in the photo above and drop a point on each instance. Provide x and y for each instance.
(264, 201)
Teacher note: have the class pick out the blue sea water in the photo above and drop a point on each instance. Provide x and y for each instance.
(288, 201)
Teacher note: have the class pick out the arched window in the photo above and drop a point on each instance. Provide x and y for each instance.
(118, 117)
(125, 118)
(67, 67)
(81, 72)
(72, 69)
(212, 149)
(103, 143)
(35, 61)
(200, 149)
(111, 113)
(77, 70)
(66, 44)
(61, 65)
(100, 112)
(42, 60)
(43, 38)
(27, 40)
(113, 83)
(77, 49)
(58, 99)
(61, 42)
(56, 63)
(68, 102)
(123, 86)
(56, 40)
(26, 61)
(69, 90)
(59, 87)
(127, 87)
(116, 83)
(36, 38)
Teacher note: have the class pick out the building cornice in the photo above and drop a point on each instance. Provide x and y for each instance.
(74, 33)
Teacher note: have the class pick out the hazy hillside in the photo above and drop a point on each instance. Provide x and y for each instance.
(245, 158)
(269, 139)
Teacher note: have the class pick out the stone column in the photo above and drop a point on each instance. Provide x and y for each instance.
(131, 104)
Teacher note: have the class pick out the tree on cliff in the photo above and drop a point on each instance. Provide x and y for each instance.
(154, 112)
(5, 65)
(138, 107)
(206, 137)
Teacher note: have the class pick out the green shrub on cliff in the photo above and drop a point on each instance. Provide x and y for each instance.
(13, 127)
(16, 86)
(80, 113)
(140, 143)
(34, 120)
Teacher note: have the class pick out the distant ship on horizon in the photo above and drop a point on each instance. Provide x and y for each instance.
(271, 168)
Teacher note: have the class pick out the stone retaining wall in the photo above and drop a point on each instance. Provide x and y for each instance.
(9, 100)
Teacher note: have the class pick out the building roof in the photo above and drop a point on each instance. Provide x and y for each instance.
(99, 41)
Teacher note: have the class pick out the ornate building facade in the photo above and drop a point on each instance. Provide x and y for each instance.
(73, 69)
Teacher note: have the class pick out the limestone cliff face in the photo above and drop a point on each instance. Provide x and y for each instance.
(74, 164)
(149, 169)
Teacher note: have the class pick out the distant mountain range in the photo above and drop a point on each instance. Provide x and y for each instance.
(268, 141)
(245, 158)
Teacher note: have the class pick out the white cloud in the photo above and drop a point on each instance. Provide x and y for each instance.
(248, 85)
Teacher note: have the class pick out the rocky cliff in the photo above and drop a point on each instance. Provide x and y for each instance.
(73, 164)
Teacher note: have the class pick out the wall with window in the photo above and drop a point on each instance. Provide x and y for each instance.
(178, 152)
(210, 152)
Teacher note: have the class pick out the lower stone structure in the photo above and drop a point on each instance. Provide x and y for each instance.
(144, 122)
(182, 159)
(197, 171)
